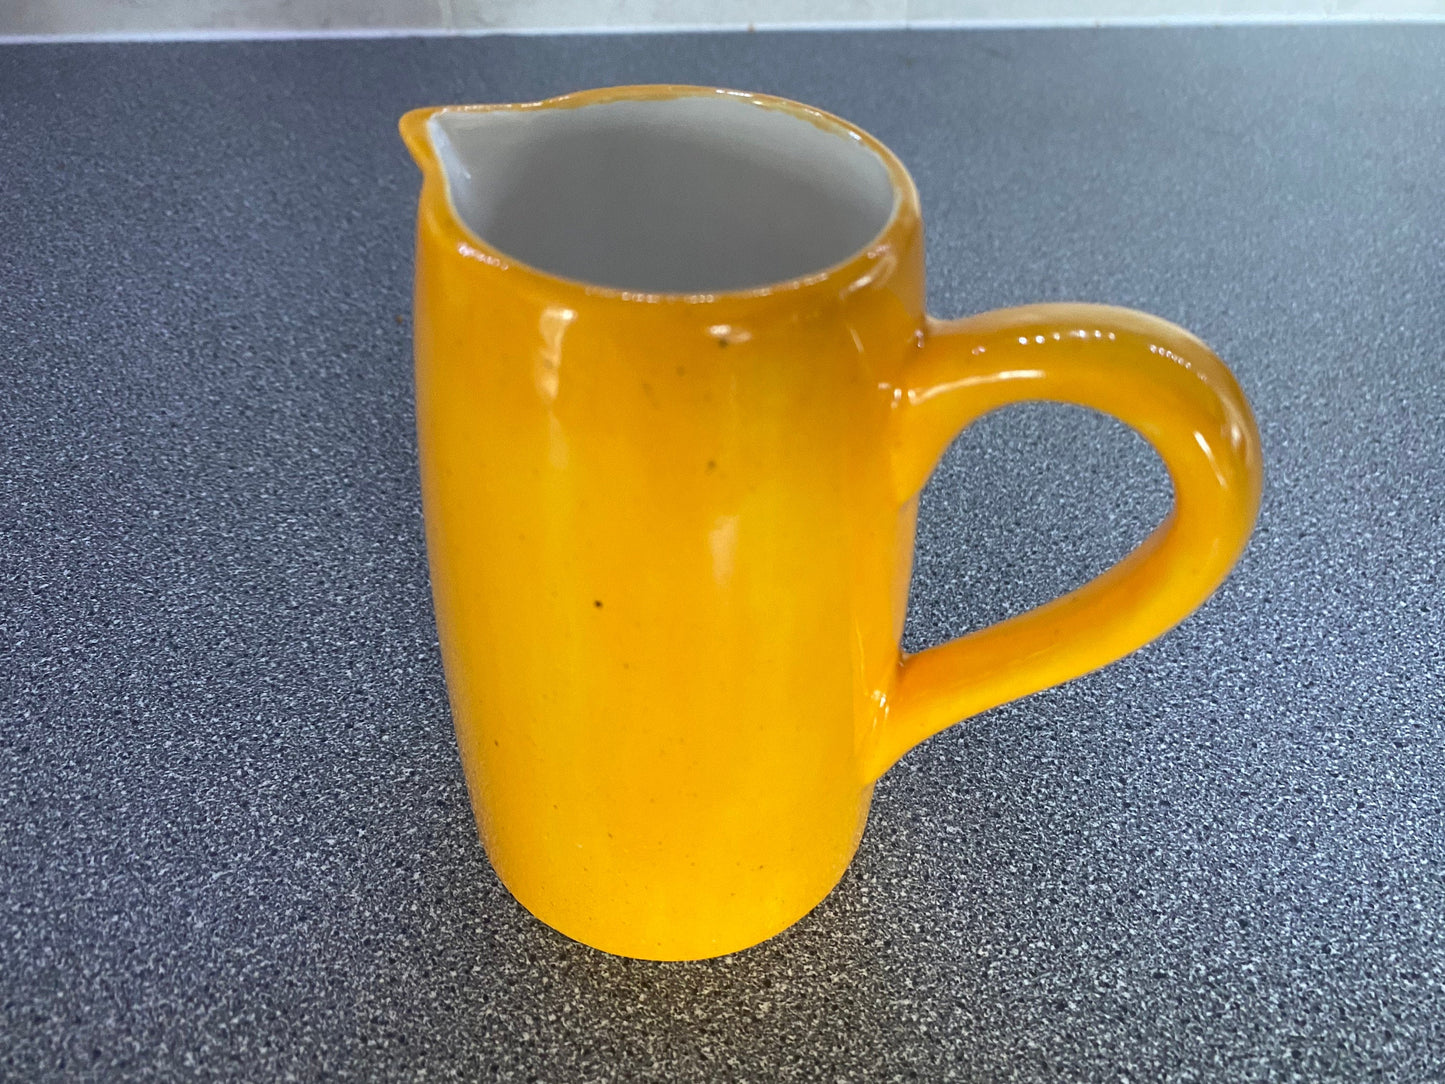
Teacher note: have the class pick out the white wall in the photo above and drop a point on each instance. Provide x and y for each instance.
(208, 17)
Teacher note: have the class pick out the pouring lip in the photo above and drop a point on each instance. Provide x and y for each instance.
(862, 267)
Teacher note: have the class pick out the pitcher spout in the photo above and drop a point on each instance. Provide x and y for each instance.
(413, 128)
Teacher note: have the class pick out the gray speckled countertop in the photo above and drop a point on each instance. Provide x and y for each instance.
(234, 837)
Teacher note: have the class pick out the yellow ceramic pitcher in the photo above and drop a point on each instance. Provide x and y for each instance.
(676, 398)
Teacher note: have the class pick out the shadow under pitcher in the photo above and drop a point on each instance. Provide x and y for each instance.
(677, 395)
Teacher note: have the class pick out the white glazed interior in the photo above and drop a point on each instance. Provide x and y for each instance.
(695, 194)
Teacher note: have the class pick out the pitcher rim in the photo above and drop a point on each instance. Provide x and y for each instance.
(858, 269)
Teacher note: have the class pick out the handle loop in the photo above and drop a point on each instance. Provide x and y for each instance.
(1154, 377)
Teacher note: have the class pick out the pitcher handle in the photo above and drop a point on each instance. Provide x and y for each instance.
(1154, 377)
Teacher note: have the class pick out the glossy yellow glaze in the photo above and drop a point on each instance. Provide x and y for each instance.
(670, 541)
